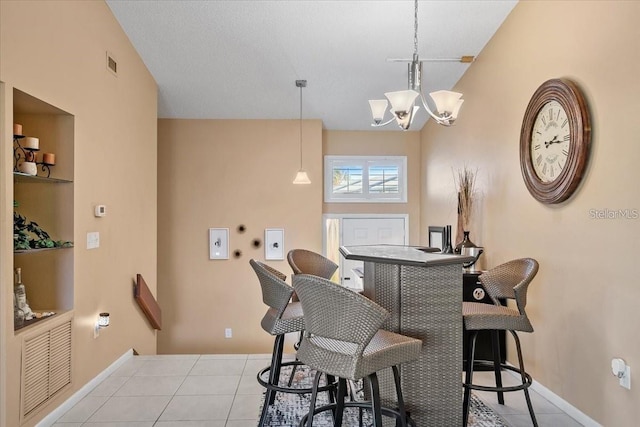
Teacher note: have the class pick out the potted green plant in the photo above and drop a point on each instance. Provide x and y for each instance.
(29, 235)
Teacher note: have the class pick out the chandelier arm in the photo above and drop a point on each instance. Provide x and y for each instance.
(443, 120)
(377, 125)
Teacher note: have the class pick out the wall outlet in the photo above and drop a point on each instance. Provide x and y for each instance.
(228, 333)
(625, 380)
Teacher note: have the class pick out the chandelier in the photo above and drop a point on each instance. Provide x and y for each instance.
(403, 108)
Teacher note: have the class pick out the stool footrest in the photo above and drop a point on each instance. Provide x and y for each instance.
(526, 384)
(357, 404)
(294, 390)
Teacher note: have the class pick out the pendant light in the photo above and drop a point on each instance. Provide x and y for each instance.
(301, 176)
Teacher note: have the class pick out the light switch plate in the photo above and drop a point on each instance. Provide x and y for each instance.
(93, 240)
(218, 243)
(273, 243)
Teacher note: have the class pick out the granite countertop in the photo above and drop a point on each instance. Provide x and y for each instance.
(403, 255)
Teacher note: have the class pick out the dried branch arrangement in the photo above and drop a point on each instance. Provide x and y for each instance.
(465, 182)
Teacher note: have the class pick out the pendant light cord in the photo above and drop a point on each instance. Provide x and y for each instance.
(300, 127)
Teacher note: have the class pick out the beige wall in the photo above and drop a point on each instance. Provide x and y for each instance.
(381, 143)
(583, 303)
(55, 51)
(221, 174)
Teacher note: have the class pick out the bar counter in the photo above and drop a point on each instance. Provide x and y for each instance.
(423, 293)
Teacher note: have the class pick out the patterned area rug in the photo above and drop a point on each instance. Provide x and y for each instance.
(289, 408)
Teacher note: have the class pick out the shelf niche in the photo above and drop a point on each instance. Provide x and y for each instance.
(47, 274)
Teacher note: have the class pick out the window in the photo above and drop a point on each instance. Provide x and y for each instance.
(365, 179)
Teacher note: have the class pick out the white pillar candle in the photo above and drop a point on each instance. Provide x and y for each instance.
(17, 129)
(31, 142)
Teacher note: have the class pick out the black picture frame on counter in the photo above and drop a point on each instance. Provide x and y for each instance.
(436, 237)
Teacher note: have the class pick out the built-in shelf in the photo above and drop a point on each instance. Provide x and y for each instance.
(31, 251)
(26, 178)
(28, 324)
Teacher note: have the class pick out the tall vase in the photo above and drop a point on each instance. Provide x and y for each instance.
(466, 243)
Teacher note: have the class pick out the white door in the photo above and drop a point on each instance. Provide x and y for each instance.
(367, 231)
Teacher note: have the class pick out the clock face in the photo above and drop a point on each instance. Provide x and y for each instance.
(550, 141)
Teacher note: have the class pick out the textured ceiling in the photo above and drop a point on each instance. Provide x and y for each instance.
(240, 59)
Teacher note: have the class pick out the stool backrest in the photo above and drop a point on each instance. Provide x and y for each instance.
(510, 280)
(276, 293)
(337, 313)
(303, 261)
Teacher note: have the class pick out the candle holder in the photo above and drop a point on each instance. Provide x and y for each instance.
(26, 154)
(45, 167)
(18, 151)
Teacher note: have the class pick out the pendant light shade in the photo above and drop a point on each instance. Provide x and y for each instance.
(301, 176)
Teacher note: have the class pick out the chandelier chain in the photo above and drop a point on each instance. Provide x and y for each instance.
(415, 28)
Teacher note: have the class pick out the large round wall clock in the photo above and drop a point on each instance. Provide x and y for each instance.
(555, 141)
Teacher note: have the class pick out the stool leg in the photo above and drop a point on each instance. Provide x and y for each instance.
(314, 395)
(401, 408)
(275, 369)
(342, 391)
(296, 346)
(332, 392)
(270, 394)
(375, 400)
(495, 347)
(524, 379)
(468, 376)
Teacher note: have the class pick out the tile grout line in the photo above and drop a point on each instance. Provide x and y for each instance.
(174, 393)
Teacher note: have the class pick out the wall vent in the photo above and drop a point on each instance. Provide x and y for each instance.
(112, 64)
(46, 366)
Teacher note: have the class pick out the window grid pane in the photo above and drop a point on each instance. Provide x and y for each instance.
(347, 180)
(383, 179)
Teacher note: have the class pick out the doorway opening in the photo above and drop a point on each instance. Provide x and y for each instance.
(360, 229)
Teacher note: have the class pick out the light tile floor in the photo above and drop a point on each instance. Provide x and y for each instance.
(222, 391)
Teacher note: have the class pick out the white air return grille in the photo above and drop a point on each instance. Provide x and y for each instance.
(46, 366)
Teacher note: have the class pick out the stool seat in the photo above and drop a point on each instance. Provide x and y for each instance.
(385, 349)
(478, 316)
(291, 320)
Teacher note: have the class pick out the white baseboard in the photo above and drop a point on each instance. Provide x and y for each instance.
(54, 415)
(566, 407)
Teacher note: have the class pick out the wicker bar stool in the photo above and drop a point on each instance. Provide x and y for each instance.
(281, 318)
(509, 281)
(343, 338)
(303, 261)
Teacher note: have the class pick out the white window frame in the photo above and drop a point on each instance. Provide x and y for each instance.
(366, 162)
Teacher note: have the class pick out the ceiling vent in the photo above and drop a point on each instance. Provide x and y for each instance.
(112, 64)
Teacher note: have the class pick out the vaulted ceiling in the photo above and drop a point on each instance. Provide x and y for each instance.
(240, 59)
